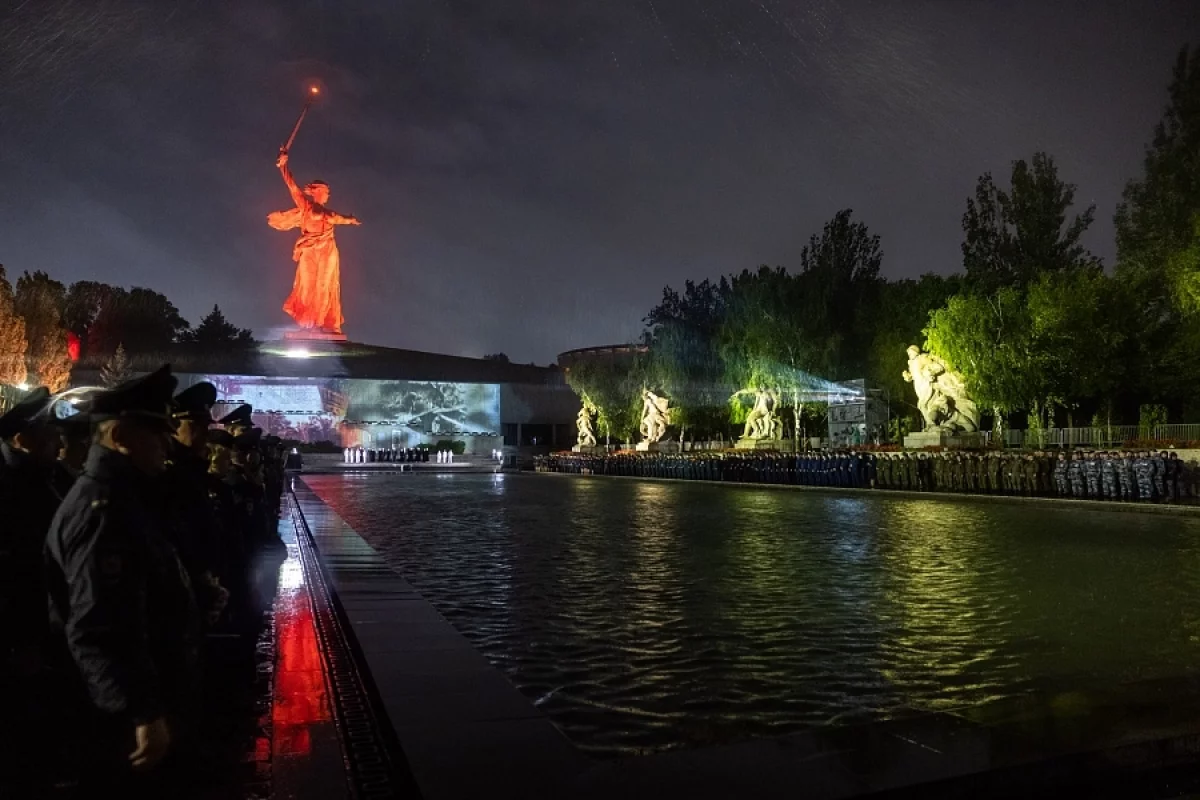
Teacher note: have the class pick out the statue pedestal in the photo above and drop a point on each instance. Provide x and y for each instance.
(587, 450)
(746, 443)
(313, 335)
(657, 447)
(919, 441)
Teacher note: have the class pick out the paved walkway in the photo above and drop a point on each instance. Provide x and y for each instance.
(465, 732)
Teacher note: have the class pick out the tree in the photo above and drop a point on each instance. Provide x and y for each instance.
(39, 300)
(13, 344)
(612, 386)
(1013, 236)
(684, 358)
(116, 369)
(899, 321)
(81, 306)
(838, 292)
(1158, 249)
(768, 342)
(216, 333)
(141, 319)
(501, 357)
(1157, 213)
(1074, 337)
(986, 338)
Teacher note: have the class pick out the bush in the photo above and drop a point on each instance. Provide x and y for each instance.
(455, 446)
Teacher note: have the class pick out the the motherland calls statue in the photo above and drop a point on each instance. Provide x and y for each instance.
(762, 422)
(941, 394)
(316, 298)
(655, 416)
(583, 423)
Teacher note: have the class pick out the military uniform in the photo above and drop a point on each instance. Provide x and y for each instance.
(118, 589)
(1126, 476)
(1108, 477)
(1160, 475)
(1061, 483)
(1076, 475)
(1144, 469)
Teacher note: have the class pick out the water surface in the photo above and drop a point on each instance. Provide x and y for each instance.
(642, 616)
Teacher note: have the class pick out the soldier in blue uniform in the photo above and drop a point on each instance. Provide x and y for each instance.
(121, 595)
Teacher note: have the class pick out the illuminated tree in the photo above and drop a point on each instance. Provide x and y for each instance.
(116, 369)
(13, 344)
(986, 338)
(39, 300)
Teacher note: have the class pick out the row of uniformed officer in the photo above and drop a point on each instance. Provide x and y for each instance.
(126, 540)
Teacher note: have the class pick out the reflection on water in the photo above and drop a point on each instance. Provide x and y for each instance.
(643, 616)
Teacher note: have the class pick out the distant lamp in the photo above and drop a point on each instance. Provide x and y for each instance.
(314, 89)
(298, 352)
(24, 387)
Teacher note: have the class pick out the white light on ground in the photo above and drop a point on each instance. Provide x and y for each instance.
(298, 352)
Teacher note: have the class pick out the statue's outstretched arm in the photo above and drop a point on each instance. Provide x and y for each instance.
(297, 195)
(342, 219)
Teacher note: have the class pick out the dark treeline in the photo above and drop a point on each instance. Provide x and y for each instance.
(1043, 333)
(47, 326)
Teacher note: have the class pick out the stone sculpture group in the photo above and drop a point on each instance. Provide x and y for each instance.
(583, 424)
(656, 415)
(941, 394)
(763, 423)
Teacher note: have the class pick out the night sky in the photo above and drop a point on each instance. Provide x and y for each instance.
(530, 173)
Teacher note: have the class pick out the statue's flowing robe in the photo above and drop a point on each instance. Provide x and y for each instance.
(316, 298)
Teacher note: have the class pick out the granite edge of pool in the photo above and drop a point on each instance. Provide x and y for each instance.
(467, 732)
(1173, 509)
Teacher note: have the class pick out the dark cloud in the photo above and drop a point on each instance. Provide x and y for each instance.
(531, 173)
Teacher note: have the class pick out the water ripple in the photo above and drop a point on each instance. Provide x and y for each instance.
(648, 616)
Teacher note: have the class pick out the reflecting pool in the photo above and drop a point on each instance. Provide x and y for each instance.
(642, 616)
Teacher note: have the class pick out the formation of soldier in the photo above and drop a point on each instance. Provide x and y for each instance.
(1129, 476)
(132, 548)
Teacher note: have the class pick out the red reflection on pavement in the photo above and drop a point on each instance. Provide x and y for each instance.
(301, 698)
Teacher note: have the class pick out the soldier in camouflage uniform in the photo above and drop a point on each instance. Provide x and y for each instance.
(1029, 472)
(1076, 477)
(1126, 476)
(1144, 469)
(1091, 472)
(1108, 476)
(1061, 484)
(1160, 473)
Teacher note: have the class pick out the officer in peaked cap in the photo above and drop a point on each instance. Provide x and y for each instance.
(238, 419)
(119, 591)
(29, 447)
(75, 433)
(192, 521)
